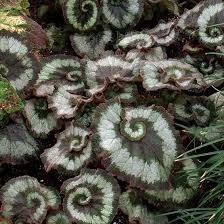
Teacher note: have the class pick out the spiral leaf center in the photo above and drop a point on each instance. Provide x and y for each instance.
(73, 76)
(34, 200)
(135, 131)
(78, 143)
(84, 196)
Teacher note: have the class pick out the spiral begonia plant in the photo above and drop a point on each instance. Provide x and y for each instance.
(214, 129)
(210, 67)
(134, 206)
(72, 151)
(121, 14)
(91, 198)
(61, 80)
(189, 17)
(138, 144)
(61, 67)
(155, 54)
(40, 120)
(58, 217)
(126, 92)
(61, 96)
(92, 44)
(218, 100)
(205, 22)
(17, 63)
(84, 15)
(198, 109)
(138, 40)
(109, 69)
(210, 31)
(164, 34)
(81, 14)
(25, 199)
(171, 74)
(64, 103)
(184, 186)
(17, 145)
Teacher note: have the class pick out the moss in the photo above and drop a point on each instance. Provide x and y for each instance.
(4, 221)
(15, 7)
(9, 100)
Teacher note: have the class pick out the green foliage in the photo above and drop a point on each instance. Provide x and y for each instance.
(10, 102)
(4, 221)
(210, 205)
(24, 195)
(15, 7)
(56, 38)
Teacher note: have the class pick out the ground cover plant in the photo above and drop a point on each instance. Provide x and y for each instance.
(111, 112)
